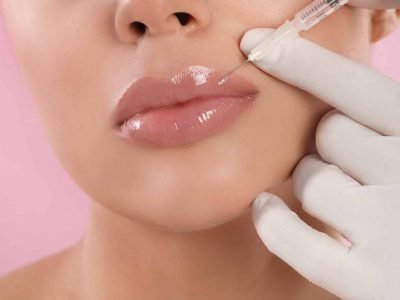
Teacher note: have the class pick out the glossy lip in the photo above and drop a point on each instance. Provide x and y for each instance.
(196, 82)
(186, 108)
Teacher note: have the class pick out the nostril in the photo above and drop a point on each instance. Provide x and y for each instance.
(139, 27)
(184, 18)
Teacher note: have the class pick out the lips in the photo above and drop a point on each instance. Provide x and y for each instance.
(188, 107)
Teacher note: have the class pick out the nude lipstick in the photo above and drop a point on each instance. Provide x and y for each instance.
(186, 108)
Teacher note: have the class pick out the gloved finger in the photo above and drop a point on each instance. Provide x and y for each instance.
(253, 38)
(327, 193)
(360, 152)
(358, 91)
(377, 4)
(313, 254)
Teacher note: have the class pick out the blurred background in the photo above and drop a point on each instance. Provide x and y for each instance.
(41, 209)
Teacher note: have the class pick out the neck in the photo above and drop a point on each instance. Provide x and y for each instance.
(125, 259)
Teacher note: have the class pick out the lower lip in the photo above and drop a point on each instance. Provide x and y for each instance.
(187, 122)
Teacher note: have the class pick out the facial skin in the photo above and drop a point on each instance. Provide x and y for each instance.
(79, 55)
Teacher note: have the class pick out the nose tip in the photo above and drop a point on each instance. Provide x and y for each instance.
(136, 18)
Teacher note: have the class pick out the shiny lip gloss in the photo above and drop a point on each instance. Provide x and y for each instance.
(186, 108)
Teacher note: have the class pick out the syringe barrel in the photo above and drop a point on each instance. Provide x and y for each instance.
(316, 12)
(303, 20)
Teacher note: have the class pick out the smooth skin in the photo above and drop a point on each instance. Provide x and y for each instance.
(169, 223)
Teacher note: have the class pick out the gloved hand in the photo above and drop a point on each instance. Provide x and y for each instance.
(352, 184)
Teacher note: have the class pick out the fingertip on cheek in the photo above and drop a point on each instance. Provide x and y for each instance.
(253, 37)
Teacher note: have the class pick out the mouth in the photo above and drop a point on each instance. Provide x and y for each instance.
(186, 108)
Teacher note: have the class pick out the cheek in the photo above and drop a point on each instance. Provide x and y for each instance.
(347, 32)
(61, 53)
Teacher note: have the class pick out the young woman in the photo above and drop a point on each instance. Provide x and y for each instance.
(171, 188)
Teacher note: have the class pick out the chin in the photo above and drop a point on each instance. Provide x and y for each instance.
(189, 213)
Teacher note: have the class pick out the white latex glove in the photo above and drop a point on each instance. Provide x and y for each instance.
(352, 185)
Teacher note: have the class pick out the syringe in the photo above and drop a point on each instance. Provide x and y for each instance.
(302, 21)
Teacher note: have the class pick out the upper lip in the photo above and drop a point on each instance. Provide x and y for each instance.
(147, 93)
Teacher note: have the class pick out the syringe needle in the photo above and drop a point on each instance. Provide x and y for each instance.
(226, 77)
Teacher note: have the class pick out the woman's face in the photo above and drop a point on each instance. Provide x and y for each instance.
(79, 55)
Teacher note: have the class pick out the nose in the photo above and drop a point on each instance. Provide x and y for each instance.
(136, 18)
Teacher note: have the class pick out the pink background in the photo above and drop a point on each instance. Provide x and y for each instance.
(41, 209)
